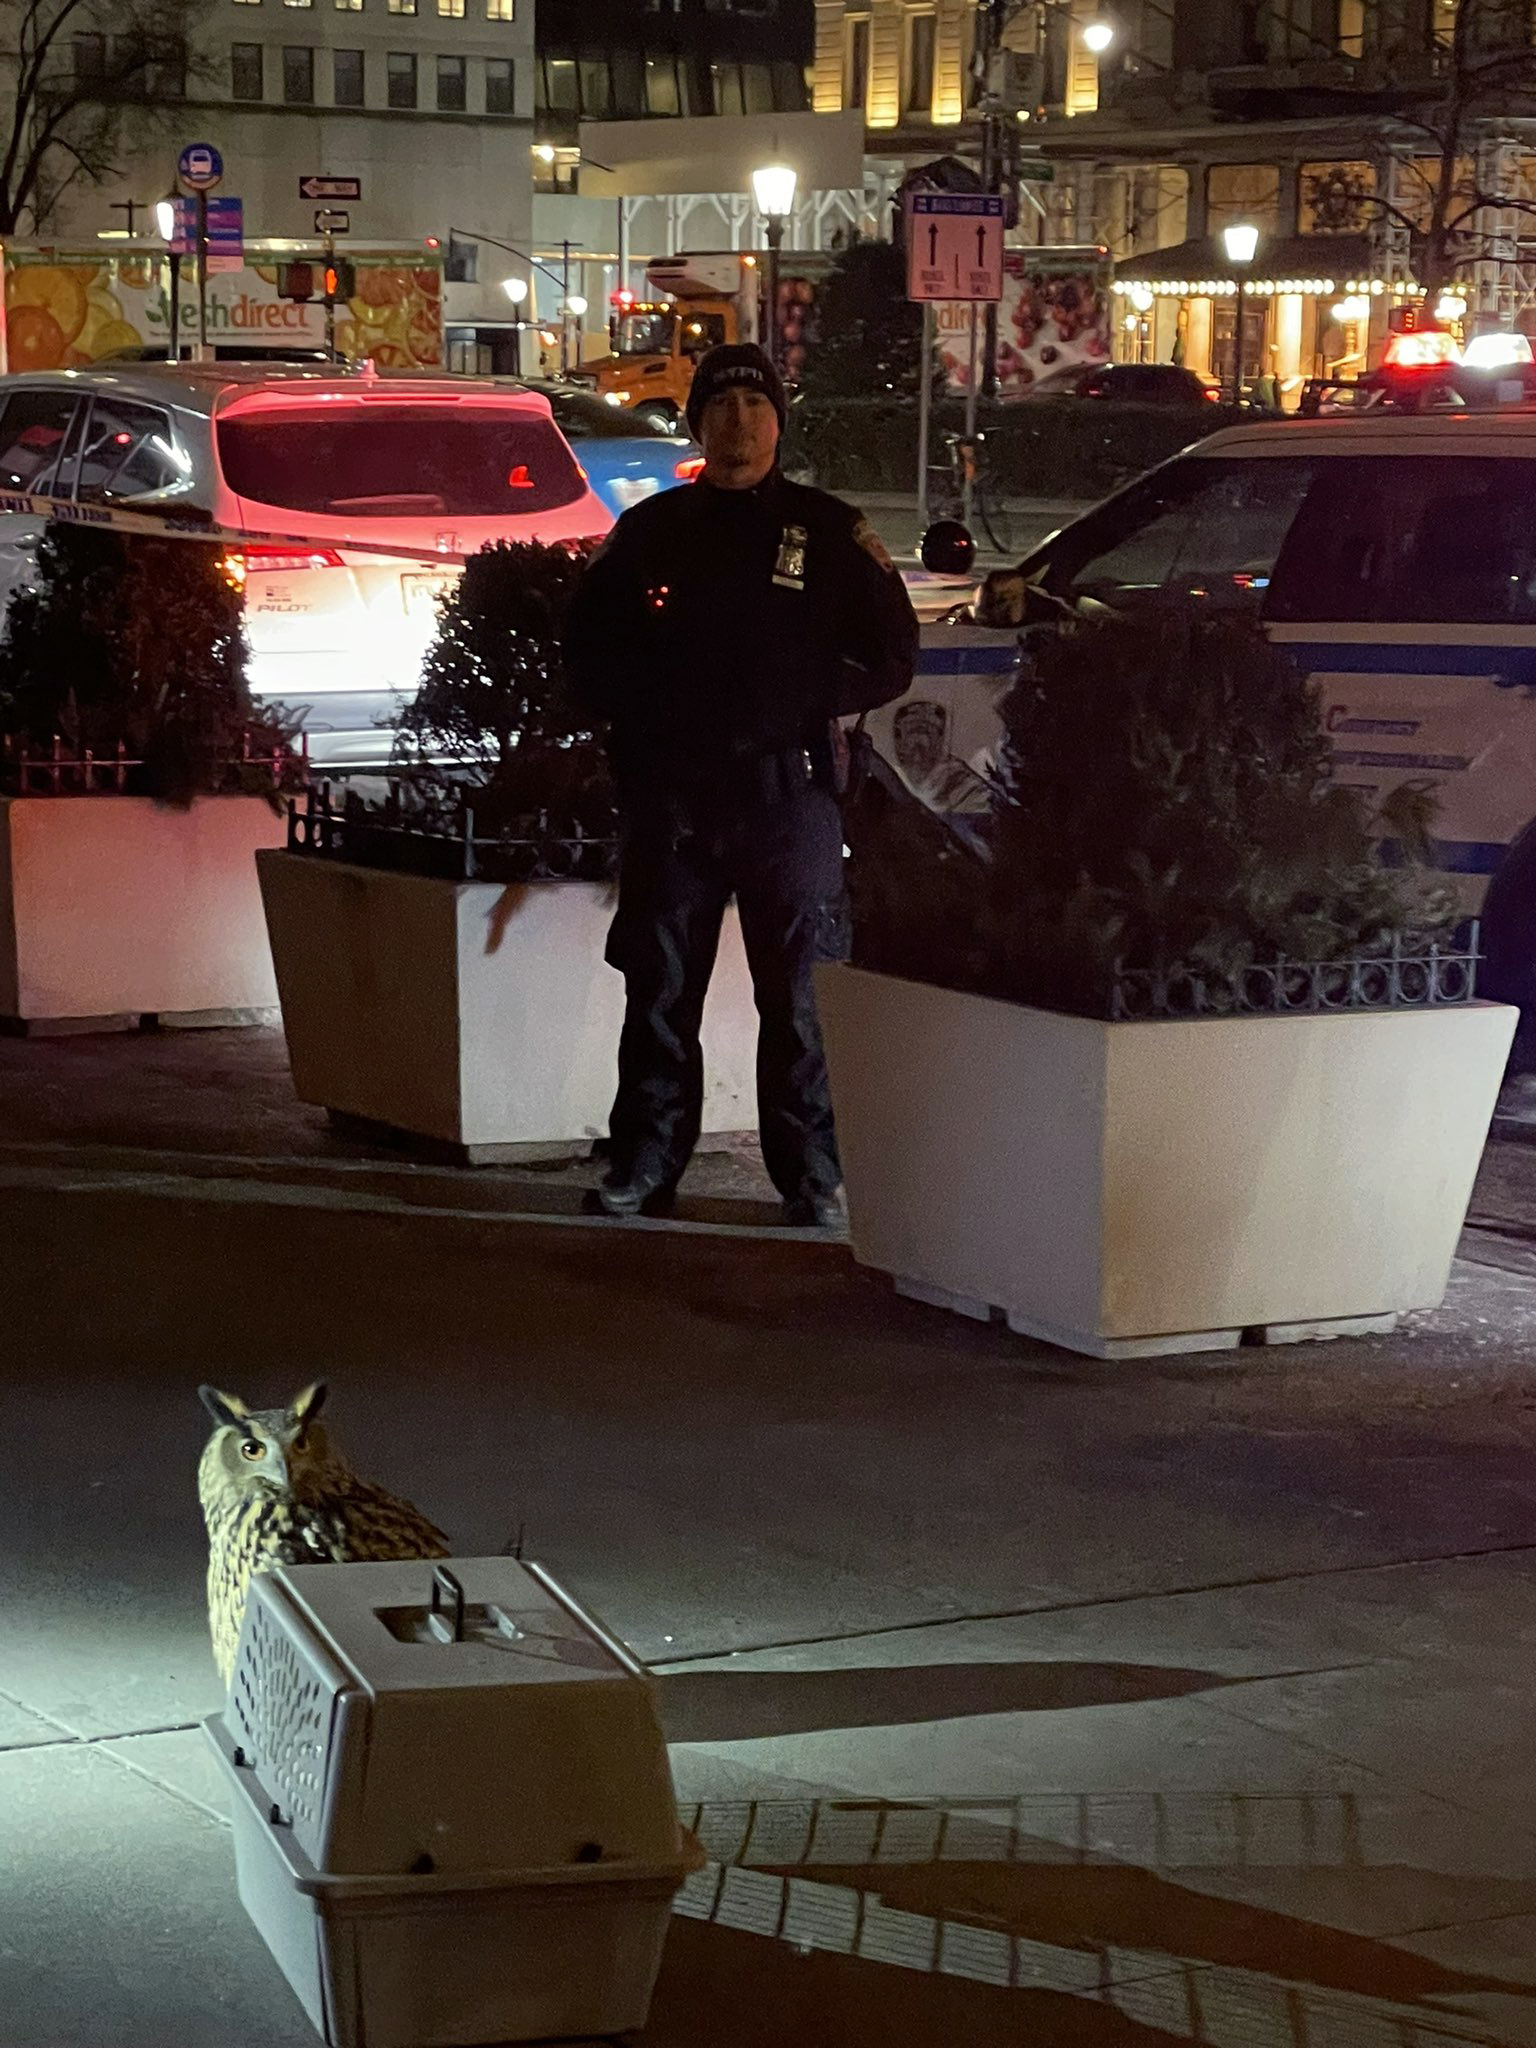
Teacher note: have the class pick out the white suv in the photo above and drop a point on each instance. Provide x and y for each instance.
(328, 460)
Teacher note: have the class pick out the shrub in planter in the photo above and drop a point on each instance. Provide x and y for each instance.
(440, 956)
(138, 779)
(493, 729)
(1169, 1053)
(124, 642)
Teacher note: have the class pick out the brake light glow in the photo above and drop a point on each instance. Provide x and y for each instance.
(518, 478)
(1430, 348)
(688, 468)
(240, 563)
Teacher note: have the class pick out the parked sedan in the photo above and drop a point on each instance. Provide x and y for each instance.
(626, 458)
(1140, 383)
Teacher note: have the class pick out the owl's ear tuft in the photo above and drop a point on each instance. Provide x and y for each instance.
(303, 1408)
(228, 1409)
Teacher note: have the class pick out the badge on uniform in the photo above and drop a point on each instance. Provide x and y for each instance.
(789, 569)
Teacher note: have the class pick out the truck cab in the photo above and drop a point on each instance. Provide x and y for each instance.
(692, 302)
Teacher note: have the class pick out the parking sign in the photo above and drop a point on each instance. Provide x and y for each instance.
(954, 245)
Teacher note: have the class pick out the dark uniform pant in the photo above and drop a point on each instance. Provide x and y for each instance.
(781, 857)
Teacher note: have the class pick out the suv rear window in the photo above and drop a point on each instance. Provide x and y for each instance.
(378, 460)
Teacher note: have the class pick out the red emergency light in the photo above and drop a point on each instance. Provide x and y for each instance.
(1427, 348)
(623, 298)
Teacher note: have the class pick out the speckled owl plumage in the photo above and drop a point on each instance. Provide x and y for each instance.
(274, 1490)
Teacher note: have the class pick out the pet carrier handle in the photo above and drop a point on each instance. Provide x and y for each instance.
(444, 1583)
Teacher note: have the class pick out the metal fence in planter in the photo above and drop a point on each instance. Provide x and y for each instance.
(447, 846)
(24, 771)
(1412, 978)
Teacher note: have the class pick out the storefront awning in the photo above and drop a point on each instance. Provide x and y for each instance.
(1288, 263)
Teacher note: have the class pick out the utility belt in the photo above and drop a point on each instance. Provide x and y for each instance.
(709, 797)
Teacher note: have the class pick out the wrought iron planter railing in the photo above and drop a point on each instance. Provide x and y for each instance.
(26, 772)
(447, 848)
(1431, 977)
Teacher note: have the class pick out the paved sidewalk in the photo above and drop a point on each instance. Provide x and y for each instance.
(1016, 1697)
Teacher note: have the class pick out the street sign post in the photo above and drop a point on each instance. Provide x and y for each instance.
(330, 222)
(331, 188)
(200, 166)
(954, 246)
(226, 234)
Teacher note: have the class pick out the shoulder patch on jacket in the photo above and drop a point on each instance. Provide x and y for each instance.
(866, 537)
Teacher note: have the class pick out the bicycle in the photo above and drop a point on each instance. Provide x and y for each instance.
(966, 458)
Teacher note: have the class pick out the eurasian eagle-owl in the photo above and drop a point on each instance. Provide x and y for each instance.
(274, 1490)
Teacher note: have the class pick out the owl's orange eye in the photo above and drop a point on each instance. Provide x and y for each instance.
(252, 1450)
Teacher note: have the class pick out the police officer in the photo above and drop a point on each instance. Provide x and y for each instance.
(720, 629)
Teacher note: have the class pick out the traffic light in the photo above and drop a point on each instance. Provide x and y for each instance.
(296, 281)
(340, 279)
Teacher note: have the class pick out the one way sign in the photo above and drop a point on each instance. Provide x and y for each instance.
(954, 245)
(331, 188)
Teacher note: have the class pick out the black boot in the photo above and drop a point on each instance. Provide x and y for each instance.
(636, 1194)
(813, 1209)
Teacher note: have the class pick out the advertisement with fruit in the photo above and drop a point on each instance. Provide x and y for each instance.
(68, 307)
(1054, 317)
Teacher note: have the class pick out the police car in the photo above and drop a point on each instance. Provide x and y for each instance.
(1392, 553)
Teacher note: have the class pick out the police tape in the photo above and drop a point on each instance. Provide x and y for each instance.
(171, 526)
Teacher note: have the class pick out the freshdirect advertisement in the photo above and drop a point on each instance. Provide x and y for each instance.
(62, 311)
(1053, 318)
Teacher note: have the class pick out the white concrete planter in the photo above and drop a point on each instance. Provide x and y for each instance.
(1127, 1189)
(115, 906)
(471, 1014)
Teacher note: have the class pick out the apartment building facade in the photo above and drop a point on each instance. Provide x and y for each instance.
(1294, 115)
(428, 103)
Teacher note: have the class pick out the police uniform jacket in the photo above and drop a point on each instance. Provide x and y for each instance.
(716, 628)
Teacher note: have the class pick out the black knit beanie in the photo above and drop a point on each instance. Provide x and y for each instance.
(734, 362)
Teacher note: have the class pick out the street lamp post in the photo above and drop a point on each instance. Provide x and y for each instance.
(165, 221)
(773, 192)
(516, 289)
(1240, 241)
(571, 316)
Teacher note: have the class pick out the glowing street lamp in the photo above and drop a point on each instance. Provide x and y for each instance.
(773, 194)
(1240, 240)
(165, 222)
(1098, 34)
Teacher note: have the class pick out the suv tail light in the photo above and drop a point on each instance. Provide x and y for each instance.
(240, 562)
(690, 467)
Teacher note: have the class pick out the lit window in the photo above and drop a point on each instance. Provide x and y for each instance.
(402, 6)
(451, 10)
(500, 10)
(298, 3)
(349, 6)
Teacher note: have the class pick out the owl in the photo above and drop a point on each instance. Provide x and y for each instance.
(275, 1491)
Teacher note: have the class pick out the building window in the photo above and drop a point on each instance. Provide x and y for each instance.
(298, 77)
(298, 3)
(451, 10)
(661, 91)
(347, 78)
(596, 88)
(788, 88)
(402, 6)
(922, 33)
(462, 261)
(246, 80)
(500, 10)
(1335, 198)
(247, 3)
(856, 62)
(560, 84)
(1352, 28)
(90, 59)
(402, 79)
(451, 96)
(498, 85)
(1247, 192)
(349, 6)
(725, 83)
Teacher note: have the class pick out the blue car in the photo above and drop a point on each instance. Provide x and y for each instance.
(626, 459)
